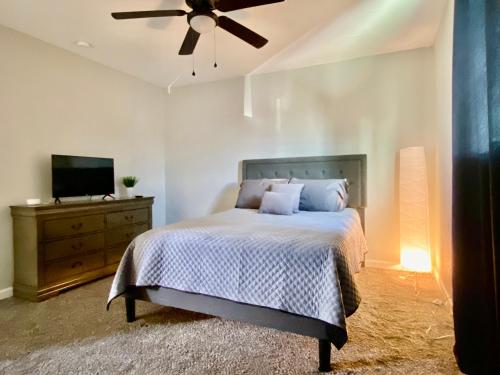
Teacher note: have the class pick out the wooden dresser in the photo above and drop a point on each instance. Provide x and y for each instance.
(59, 246)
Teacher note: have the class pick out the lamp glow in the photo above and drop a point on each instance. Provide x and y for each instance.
(203, 24)
(414, 211)
(417, 260)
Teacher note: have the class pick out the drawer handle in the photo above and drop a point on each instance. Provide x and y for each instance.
(129, 218)
(77, 247)
(77, 264)
(129, 235)
(77, 226)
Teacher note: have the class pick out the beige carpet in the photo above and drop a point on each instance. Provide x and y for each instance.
(402, 327)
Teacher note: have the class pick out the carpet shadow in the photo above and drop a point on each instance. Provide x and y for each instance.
(172, 315)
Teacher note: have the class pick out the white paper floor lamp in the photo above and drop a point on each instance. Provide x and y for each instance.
(414, 210)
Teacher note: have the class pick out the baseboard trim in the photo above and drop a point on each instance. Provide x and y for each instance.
(6, 293)
(373, 263)
(449, 300)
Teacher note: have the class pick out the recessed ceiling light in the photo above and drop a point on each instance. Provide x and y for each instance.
(83, 44)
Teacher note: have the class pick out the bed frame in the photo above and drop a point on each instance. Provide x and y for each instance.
(351, 167)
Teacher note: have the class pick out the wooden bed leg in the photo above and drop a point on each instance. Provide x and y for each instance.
(130, 308)
(325, 349)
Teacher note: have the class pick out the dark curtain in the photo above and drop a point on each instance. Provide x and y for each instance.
(476, 185)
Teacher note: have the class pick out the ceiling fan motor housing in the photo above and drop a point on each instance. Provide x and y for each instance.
(201, 5)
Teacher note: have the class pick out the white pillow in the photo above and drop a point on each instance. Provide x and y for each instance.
(292, 189)
(277, 204)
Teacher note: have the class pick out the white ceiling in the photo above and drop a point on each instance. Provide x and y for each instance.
(301, 33)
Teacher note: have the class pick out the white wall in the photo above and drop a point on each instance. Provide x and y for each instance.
(373, 105)
(186, 148)
(52, 101)
(443, 61)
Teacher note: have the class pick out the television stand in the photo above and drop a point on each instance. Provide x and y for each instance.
(57, 201)
(61, 246)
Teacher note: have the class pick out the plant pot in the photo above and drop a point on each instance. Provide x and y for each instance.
(130, 192)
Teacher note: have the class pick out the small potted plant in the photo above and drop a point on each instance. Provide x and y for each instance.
(129, 182)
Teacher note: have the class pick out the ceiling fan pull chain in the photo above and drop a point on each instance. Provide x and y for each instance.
(194, 73)
(215, 49)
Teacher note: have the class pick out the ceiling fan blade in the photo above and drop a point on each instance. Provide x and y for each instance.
(148, 14)
(242, 32)
(190, 42)
(230, 5)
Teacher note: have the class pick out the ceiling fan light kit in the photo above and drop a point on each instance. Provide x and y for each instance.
(203, 20)
(203, 23)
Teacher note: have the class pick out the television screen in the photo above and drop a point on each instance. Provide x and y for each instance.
(74, 176)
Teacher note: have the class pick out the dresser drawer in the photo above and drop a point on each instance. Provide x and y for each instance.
(124, 234)
(61, 270)
(73, 246)
(115, 254)
(117, 219)
(75, 225)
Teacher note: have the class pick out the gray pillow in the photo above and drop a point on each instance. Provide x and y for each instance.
(276, 204)
(292, 189)
(323, 195)
(252, 191)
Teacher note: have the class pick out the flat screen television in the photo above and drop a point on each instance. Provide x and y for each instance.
(75, 176)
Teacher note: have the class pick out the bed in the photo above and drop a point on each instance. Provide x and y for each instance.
(293, 273)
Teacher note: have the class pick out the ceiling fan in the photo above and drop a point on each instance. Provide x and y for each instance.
(202, 19)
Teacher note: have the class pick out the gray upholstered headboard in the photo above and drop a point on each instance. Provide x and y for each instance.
(352, 167)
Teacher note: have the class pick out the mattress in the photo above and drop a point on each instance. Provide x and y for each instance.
(301, 264)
